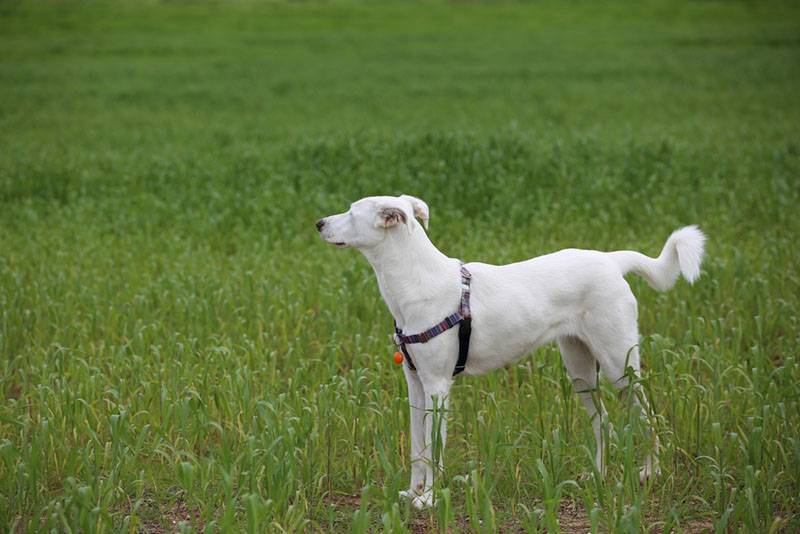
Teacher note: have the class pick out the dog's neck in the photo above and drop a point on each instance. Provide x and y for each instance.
(412, 275)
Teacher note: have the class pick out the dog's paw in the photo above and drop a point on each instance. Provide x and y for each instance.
(423, 501)
(406, 495)
(420, 501)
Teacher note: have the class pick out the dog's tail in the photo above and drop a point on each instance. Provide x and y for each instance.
(682, 254)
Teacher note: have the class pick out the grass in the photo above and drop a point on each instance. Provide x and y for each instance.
(180, 351)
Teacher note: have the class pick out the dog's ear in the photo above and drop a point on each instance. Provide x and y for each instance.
(420, 209)
(389, 216)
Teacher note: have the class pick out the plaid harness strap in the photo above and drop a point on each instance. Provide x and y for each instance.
(462, 317)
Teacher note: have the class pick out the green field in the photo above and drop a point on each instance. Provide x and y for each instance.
(180, 351)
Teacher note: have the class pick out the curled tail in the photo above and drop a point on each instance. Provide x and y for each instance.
(682, 254)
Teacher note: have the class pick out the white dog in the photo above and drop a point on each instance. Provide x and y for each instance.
(577, 298)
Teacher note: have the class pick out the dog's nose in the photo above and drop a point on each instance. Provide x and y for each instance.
(320, 224)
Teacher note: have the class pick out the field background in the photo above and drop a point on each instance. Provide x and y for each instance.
(180, 351)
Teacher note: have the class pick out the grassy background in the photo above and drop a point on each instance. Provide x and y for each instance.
(180, 351)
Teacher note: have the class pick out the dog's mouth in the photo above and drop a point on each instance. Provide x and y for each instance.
(340, 244)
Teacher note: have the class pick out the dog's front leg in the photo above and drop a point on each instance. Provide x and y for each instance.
(416, 402)
(437, 393)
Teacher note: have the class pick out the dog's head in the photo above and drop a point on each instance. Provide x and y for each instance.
(371, 220)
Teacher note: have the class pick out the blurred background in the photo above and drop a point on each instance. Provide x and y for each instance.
(180, 351)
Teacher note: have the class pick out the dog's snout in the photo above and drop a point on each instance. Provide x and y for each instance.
(320, 224)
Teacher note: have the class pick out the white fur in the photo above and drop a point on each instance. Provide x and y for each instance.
(577, 298)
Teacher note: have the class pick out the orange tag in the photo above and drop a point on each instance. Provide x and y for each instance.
(398, 358)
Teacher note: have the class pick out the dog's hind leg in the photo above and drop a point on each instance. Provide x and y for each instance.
(582, 368)
(613, 337)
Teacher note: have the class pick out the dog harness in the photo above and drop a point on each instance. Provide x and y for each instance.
(462, 317)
